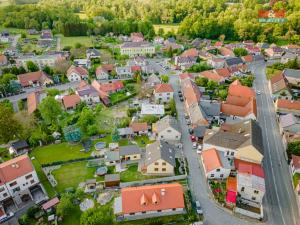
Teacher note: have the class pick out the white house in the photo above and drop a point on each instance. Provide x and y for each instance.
(295, 164)
(77, 73)
(167, 129)
(152, 109)
(215, 164)
(87, 93)
(163, 93)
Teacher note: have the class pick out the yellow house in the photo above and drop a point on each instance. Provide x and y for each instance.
(137, 48)
(130, 152)
(159, 159)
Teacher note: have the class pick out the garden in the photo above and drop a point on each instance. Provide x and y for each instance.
(218, 189)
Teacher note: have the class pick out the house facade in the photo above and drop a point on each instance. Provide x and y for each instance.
(167, 129)
(137, 48)
(163, 93)
(34, 79)
(77, 73)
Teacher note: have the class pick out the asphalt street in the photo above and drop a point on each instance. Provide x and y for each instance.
(281, 206)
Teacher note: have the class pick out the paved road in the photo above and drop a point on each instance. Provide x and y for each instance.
(281, 205)
(214, 215)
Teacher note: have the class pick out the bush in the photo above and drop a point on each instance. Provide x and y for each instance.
(32, 211)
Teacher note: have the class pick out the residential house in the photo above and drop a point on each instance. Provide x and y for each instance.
(292, 48)
(192, 52)
(234, 61)
(263, 45)
(70, 101)
(158, 40)
(274, 52)
(18, 147)
(159, 159)
(289, 124)
(77, 73)
(240, 102)
(163, 93)
(34, 79)
(137, 48)
(50, 204)
(137, 37)
(111, 157)
(112, 180)
(152, 109)
(130, 153)
(3, 60)
(20, 183)
(285, 106)
(87, 93)
(288, 56)
(211, 110)
(211, 75)
(295, 164)
(92, 53)
(247, 59)
(139, 128)
(150, 201)
(40, 60)
(184, 76)
(215, 165)
(184, 62)
(226, 52)
(104, 71)
(199, 43)
(125, 132)
(216, 62)
(253, 50)
(250, 182)
(218, 44)
(86, 63)
(124, 72)
(167, 129)
(46, 34)
(33, 100)
(242, 140)
(292, 76)
(223, 72)
(279, 87)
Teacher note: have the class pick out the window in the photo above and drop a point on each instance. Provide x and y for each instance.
(5, 195)
(28, 176)
(155, 169)
(174, 209)
(169, 131)
(156, 164)
(131, 213)
(2, 189)
(243, 189)
(163, 163)
(218, 170)
(232, 153)
(164, 169)
(32, 181)
(212, 175)
(13, 184)
(158, 210)
(135, 157)
(253, 198)
(144, 212)
(221, 175)
(16, 189)
(256, 192)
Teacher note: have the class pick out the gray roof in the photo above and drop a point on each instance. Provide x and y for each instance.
(112, 177)
(87, 90)
(258, 58)
(93, 51)
(291, 73)
(211, 108)
(136, 44)
(166, 122)
(112, 156)
(199, 131)
(129, 150)
(234, 61)
(237, 135)
(160, 150)
(288, 120)
(21, 144)
(125, 131)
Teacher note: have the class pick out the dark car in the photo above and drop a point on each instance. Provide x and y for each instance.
(181, 99)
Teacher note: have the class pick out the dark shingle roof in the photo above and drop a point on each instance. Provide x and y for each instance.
(234, 61)
(19, 144)
(160, 150)
(129, 150)
(291, 73)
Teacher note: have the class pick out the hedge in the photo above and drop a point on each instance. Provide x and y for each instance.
(69, 161)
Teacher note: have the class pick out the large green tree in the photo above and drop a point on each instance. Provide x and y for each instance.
(97, 216)
(50, 110)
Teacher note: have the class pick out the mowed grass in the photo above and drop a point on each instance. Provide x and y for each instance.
(296, 177)
(270, 72)
(59, 152)
(71, 41)
(166, 27)
(73, 218)
(70, 175)
(132, 174)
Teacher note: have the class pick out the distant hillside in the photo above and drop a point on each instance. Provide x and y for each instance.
(17, 2)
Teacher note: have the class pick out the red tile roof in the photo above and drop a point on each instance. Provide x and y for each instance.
(3, 59)
(32, 102)
(288, 104)
(135, 69)
(211, 160)
(136, 127)
(226, 51)
(184, 76)
(163, 88)
(296, 161)
(49, 204)
(223, 72)
(109, 87)
(249, 168)
(240, 90)
(218, 44)
(26, 78)
(190, 53)
(70, 101)
(14, 168)
(209, 74)
(248, 58)
(191, 92)
(78, 70)
(152, 198)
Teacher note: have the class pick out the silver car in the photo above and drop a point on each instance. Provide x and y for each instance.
(198, 208)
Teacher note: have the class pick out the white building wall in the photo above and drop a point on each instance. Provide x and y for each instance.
(74, 77)
(169, 134)
(220, 173)
(163, 97)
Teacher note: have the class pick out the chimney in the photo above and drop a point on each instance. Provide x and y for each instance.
(162, 192)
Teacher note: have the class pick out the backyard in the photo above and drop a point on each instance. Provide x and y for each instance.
(218, 188)
(4, 154)
(142, 140)
(132, 174)
(296, 178)
(71, 41)
(270, 72)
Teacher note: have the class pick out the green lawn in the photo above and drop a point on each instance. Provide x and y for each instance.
(59, 152)
(132, 174)
(296, 177)
(166, 27)
(71, 41)
(116, 97)
(4, 154)
(73, 218)
(142, 140)
(70, 175)
(271, 72)
(174, 220)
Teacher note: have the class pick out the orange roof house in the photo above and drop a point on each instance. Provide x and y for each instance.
(151, 198)
(295, 164)
(139, 127)
(190, 53)
(223, 72)
(191, 92)
(210, 75)
(163, 88)
(288, 106)
(70, 101)
(33, 100)
(240, 102)
(38, 78)
(214, 164)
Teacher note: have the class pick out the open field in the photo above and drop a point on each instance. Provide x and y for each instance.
(71, 41)
(166, 27)
(132, 174)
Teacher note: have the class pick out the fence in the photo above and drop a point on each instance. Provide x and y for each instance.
(153, 181)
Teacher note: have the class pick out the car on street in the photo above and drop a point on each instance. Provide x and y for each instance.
(193, 138)
(181, 99)
(258, 92)
(198, 208)
(180, 95)
(188, 122)
(186, 116)
(191, 131)
(199, 149)
(195, 145)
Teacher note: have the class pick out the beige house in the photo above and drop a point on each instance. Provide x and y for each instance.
(137, 48)
(167, 129)
(242, 140)
(159, 159)
(130, 152)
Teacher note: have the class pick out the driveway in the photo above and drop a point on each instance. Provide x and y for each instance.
(213, 213)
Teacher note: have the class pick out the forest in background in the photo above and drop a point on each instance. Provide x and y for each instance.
(196, 18)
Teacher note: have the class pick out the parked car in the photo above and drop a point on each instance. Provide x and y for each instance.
(191, 131)
(186, 116)
(181, 99)
(195, 145)
(180, 95)
(188, 122)
(198, 208)
(199, 149)
(193, 138)
(258, 92)
(179, 92)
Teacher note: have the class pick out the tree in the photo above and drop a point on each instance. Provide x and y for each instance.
(115, 136)
(211, 85)
(27, 122)
(164, 78)
(223, 94)
(10, 128)
(201, 81)
(61, 66)
(293, 148)
(149, 119)
(31, 66)
(97, 216)
(86, 119)
(50, 110)
(240, 52)
(65, 206)
(53, 92)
